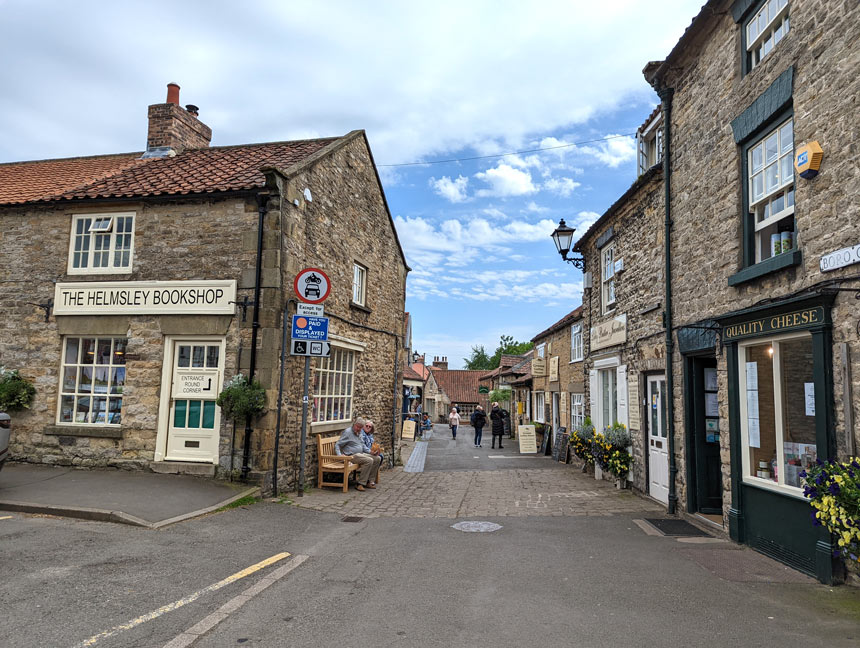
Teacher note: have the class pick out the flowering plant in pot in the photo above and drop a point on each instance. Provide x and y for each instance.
(618, 458)
(16, 392)
(600, 449)
(580, 442)
(833, 488)
(241, 399)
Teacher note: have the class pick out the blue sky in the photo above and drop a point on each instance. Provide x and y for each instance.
(428, 80)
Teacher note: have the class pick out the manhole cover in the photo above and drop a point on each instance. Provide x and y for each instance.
(352, 518)
(476, 527)
(681, 528)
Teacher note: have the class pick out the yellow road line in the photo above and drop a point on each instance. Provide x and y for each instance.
(7, 517)
(170, 607)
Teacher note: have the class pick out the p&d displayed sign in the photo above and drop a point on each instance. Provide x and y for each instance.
(807, 160)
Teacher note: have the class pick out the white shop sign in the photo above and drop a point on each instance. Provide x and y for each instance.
(195, 383)
(840, 258)
(215, 297)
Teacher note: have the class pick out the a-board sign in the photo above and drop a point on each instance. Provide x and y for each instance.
(408, 431)
(527, 439)
(312, 286)
(310, 328)
(310, 348)
(559, 447)
(545, 444)
(310, 310)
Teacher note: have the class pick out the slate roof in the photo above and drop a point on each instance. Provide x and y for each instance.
(571, 317)
(460, 385)
(196, 171)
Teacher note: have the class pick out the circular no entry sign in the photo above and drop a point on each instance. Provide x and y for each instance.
(312, 286)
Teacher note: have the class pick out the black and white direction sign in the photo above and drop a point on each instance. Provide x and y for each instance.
(310, 348)
(310, 310)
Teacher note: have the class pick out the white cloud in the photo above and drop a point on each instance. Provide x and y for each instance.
(534, 208)
(561, 186)
(613, 152)
(452, 190)
(505, 181)
(584, 220)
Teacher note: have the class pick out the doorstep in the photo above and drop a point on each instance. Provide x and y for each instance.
(183, 468)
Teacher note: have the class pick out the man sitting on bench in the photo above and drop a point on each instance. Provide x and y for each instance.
(350, 445)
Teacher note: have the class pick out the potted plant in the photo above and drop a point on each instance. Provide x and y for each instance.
(833, 489)
(580, 441)
(241, 399)
(618, 456)
(16, 392)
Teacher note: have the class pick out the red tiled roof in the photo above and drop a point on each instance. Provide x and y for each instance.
(421, 370)
(461, 385)
(410, 374)
(573, 315)
(197, 171)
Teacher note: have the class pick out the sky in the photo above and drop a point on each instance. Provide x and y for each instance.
(517, 114)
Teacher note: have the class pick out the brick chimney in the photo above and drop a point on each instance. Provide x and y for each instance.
(173, 129)
(441, 363)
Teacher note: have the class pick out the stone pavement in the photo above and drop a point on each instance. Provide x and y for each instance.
(556, 490)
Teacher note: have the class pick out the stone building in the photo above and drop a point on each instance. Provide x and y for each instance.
(134, 286)
(558, 386)
(624, 332)
(448, 387)
(519, 377)
(764, 354)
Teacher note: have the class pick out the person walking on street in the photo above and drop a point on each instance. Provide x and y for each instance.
(498, 425)
(350, 445)
(478, 421)
(454, 422)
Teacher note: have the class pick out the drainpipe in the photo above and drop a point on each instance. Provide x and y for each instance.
(666, 99)
(396, 394)
(262, 200)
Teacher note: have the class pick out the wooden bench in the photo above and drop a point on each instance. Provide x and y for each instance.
(330, 462)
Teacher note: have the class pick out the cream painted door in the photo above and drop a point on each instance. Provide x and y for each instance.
(658, 445)
(196, 376)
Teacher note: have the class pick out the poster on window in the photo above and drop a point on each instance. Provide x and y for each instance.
(712, 406)
(710, 379)
(754, 433)
(752, 375)
(752, 404)
(809, 394)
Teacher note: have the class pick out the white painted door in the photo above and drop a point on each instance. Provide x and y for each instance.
(556, 419)
(658, 444)
(194, 419)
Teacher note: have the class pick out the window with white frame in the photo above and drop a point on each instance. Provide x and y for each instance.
(540, 402)
(92, 381)
(607, 274)
(101, 243)
(777, 410)
(359, 284)
(541, 350)
(765, 29)
(608, 396)
(770, 170)
(333, 386)
(650, 144)
(577, 410)
(576, 342)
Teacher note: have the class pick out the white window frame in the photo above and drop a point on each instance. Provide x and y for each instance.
(333, 387)
(779, 430)
(577, 410)
(770, 207)
(650, 144)
(76, 393)
(541, 350)
(607, 278)
(767, 27)
(576, 343)
(540, 406)
(102, 229)
(359, 284)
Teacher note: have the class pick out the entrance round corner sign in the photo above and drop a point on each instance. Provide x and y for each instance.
(312, 286)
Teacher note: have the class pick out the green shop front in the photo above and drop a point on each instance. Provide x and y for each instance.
(780, 389)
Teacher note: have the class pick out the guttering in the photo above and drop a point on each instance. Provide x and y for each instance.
(262, 200)
(666, 99)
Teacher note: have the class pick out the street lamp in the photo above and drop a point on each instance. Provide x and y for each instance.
(563, 238)
(415, 357)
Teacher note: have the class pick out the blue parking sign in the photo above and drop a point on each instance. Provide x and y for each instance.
(310, 328)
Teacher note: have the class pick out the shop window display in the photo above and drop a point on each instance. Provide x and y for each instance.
(93, 380)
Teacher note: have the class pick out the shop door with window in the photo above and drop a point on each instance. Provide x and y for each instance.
(706, 437)
(194, 418)
(658, 445)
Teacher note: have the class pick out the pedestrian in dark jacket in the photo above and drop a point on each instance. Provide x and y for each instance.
(478, 421)
(498, 424)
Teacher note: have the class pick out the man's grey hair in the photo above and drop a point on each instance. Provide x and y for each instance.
(359, 421)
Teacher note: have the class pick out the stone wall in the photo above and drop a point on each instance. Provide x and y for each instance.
(637, 223)
(707, 202)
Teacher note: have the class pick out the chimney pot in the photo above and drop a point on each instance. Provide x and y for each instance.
(173, 93)
(194, 110)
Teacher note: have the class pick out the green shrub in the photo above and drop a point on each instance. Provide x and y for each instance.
(16, 392)
(241, 399)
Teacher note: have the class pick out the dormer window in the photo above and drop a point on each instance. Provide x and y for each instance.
(101, 243)
(765, 29)
(649, 138)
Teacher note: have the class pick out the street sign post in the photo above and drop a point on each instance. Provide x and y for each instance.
(310, 328)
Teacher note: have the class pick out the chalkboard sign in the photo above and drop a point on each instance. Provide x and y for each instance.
(545, 446)
(559, 447)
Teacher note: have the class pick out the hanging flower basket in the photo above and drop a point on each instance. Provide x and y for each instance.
(241, 399)
(16, 392)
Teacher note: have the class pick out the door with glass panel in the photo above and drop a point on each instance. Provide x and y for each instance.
(658, 444)
(196, 376)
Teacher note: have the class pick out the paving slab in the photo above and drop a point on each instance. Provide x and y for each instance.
(131, 497)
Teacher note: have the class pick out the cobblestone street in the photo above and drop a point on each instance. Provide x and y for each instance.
(491, 491)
